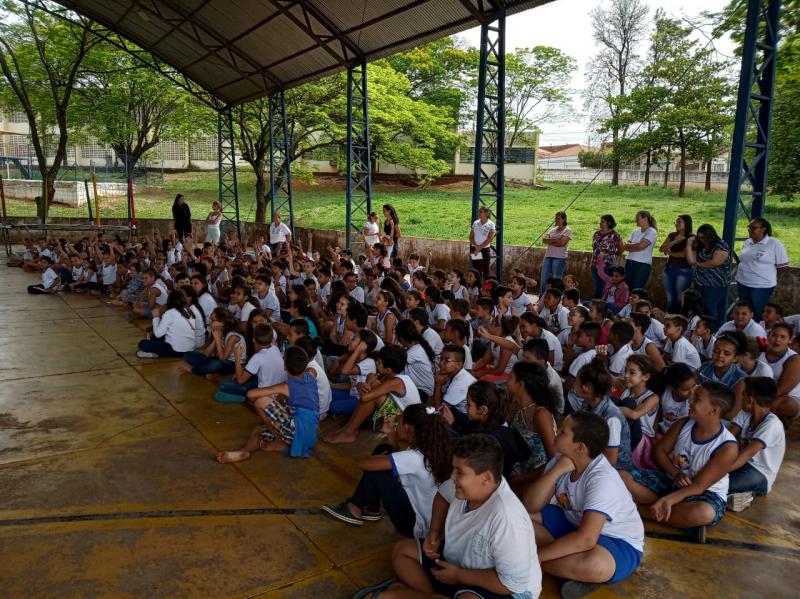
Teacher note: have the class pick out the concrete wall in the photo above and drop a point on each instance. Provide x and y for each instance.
(452, 254)
(71, 193)
(585, 175)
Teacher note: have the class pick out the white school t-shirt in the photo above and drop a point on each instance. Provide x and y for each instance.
(267, 365)
(208, 304)
(691, 457)
(365, 367)
(419, 368)
(497, 535)
(770, 432)
(199, 327)
(242, 313)
(439, 312)
(49, 276)
(435, 341)
(480, 231)
(683, 351)
(554, 345)
(556, 321)
(648, 420)
(655, 332)
(580, 361)
(410, 394)
(671, 409)
(646, 255)
(176, 329)
(758, 262)
(455, 392)
(417, 481)
(270, 302)
(617, 361)
(323, 386)
(599, 489)
(520, 304)
(371, 235)
(357, 293)
(751, 329)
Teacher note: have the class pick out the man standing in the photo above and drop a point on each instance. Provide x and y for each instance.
(480, 238)
(279, 234)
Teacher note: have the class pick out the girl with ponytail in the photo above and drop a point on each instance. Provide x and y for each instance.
(405, 482)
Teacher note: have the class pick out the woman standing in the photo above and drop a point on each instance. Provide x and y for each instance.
(678, 272)
(371, 230)
(182, 217)
(639, 263)
(391, 227)
(555, 258)
(213, 220)
(711, 258)
(606, 247)
(761, 259)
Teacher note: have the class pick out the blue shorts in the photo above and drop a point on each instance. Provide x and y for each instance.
(626, 557)
(454, 590)
(660, 483)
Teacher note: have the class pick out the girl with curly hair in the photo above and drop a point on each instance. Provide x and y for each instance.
(405, 482)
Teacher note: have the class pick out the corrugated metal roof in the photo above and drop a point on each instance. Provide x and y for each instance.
(244, 49)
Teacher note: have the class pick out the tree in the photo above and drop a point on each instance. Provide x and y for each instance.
(132, 108)
(41, 58)
(696, 96)
(618, 30)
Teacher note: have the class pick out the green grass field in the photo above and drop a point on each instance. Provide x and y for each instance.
(443, 213)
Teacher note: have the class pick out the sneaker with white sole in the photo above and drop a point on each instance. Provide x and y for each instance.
(738, 502)
(342, 513)
(370, 517)
(574, 589)
(145, 354)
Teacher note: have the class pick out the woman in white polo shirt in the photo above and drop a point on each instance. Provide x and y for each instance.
(480, 238)
(639, 262)
(761, 258)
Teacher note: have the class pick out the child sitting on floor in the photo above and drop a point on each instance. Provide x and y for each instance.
(51, 277)
(263, 369)
(289, 424)
(679, 381)
(762, 441)
(639, 371)
(481, 540)
(690, 487)
(586, 524)
(384, 396)
(405, 482)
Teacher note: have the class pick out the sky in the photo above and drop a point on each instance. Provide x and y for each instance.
(545, 26)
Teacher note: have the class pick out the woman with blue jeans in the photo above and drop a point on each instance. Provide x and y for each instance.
(606, 247)
(678, 272)
(711, 258)
(761, 258)
(555, 258)
(641, 242)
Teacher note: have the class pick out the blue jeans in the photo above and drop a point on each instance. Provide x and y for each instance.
(235, 388)
(203, 364)
(552, 267)
(637, 274)
(159, 347)
(715, 302)
(600, 284)
(757, 296)
(748, 478)
(676, 281)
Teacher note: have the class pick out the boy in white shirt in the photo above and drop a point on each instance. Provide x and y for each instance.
(351, 283)
(678, 348)
(743, 321)
(481, 540)
(263, 369)
(554, 314)
(587, 527)
(452, 382)
(266, 297)
(50, 277)
(762, 440)
(619, 339)
(703, 337)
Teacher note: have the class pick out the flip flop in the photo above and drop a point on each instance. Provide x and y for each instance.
(371, 592)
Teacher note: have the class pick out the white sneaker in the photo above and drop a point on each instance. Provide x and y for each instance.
(145, 354)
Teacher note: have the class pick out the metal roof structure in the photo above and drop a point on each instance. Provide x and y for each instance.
(240, 50)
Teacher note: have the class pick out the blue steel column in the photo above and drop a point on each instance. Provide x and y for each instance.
(488, 184)
(751, 132)
(226, 155)
(280, 161)
(359, 175)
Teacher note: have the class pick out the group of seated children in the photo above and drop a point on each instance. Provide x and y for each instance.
(512, 426)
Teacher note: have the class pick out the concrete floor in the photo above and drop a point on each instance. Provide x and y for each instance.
(108, 487)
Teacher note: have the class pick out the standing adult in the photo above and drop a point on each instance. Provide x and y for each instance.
(641, 242)
(371, 230)
(606, 247)
(678, 272)
(761, 258)
(391, 227)
(213, 221)
(480, 238)
(711, 258)
(182, 217)
(555, 258)
(279, 234)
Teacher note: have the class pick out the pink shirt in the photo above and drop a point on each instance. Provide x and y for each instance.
(554, 251)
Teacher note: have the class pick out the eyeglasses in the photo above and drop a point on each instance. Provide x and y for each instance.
(449, 360)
